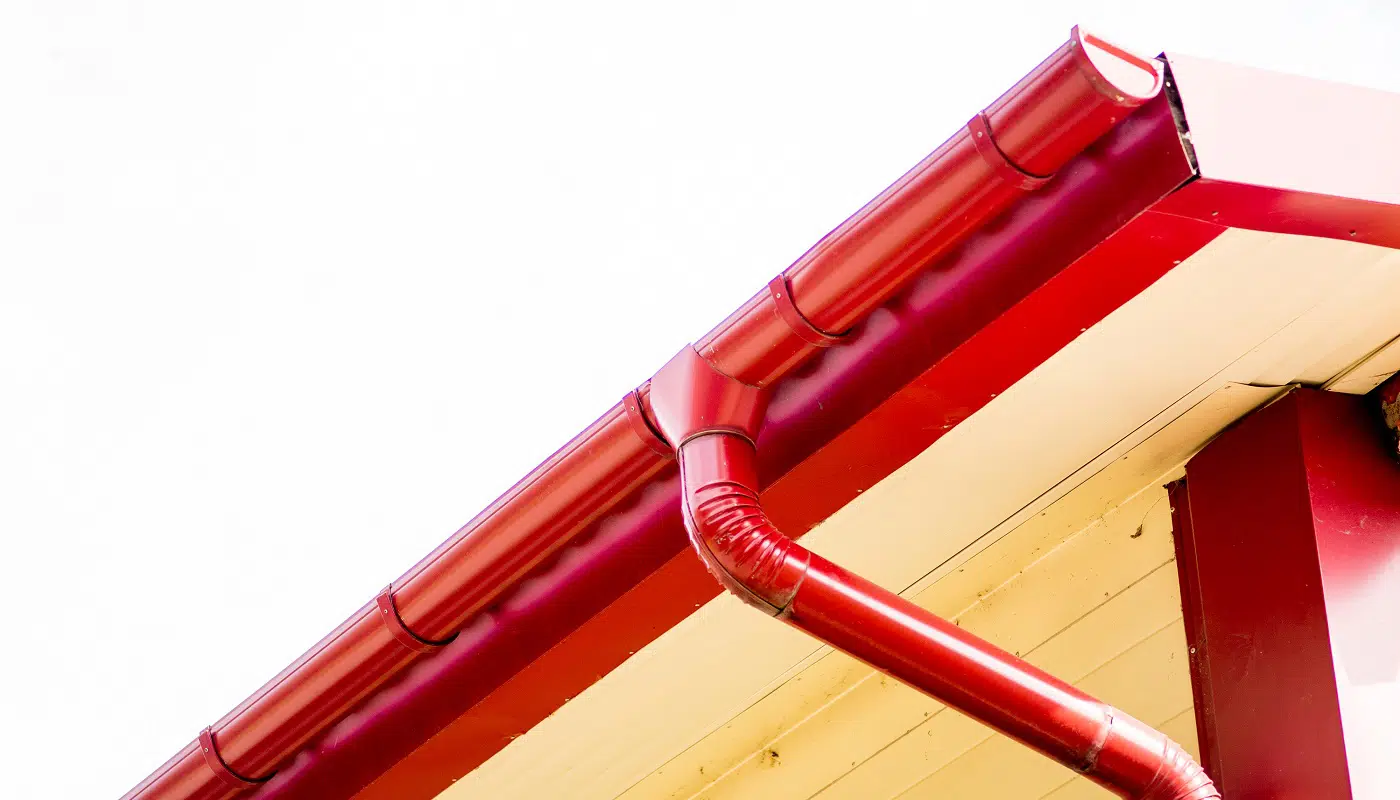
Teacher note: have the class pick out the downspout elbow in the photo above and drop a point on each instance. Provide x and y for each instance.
(712, 420)
(729, 529)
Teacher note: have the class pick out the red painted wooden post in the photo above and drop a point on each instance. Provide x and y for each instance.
(1288, 542)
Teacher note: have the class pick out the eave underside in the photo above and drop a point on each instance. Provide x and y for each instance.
(1039, 523)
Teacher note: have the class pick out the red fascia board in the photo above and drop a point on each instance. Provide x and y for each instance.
(1263, 208)
(887, 379)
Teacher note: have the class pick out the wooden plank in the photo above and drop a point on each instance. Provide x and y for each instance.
(1369, 372)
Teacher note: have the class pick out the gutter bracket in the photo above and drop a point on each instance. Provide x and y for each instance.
(787, 311)
(222, 770)
(389, 615)
(980, 130)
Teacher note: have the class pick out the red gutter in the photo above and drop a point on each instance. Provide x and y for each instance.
(714, 421)
(1054, 113)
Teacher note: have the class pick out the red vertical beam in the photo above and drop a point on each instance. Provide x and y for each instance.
(1289, 544)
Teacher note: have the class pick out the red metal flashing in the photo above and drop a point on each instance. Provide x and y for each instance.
(556, 522)
(1262, 208)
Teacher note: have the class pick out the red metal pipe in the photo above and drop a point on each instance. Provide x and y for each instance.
(715, 421)
(1067, 102)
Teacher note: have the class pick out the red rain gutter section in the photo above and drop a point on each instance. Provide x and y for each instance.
(714, 420)
(1033, 130)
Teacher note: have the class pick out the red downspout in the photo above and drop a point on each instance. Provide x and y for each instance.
(714, 421)
(1069, 101)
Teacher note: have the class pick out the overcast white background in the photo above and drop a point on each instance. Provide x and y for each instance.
(290, 290)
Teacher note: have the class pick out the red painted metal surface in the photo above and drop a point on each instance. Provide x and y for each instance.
(1288, 531)
(1043, 122)
(626, 578)
(1263, 208)
(708, 414)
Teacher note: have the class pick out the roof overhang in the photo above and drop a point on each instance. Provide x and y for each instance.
(1143, 212)
(1264, 153)
(1032, 522)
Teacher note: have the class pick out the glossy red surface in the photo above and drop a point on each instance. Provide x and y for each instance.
(1288, 531)
(754, 560)
(1056, 111)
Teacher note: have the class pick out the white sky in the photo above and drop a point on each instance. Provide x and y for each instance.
(290, 290)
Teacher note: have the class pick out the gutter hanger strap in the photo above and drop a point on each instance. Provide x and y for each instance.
(787, 311)
(981, 132)
(216, 764)
(389, 615)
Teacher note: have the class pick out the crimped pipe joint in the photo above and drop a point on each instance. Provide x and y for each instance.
(712, 420)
